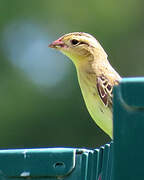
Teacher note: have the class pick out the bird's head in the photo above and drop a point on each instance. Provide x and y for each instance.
(79, 47)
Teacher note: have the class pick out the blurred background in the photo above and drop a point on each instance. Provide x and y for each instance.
(40, 100)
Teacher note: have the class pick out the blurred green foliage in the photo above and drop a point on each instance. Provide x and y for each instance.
(43, 115)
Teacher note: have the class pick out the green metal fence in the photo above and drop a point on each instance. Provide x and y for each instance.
(122, 159)
(128, 152)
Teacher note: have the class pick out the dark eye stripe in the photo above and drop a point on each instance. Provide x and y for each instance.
(76, 42)
(82, 42)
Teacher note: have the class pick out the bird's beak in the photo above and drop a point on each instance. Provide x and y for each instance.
(57, 44)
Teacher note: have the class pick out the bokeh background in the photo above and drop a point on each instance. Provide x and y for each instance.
(40, 100)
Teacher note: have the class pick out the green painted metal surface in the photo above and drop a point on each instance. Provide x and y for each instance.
(122, 159)
(53, 163)
(128, 152)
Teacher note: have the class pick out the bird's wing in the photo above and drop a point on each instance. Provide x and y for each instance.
(105, 88)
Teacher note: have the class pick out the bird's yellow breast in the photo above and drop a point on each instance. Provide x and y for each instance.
(101, 114)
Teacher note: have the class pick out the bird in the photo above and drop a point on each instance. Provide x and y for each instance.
(95, 74)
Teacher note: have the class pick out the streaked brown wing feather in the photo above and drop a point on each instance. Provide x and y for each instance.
(105, 88)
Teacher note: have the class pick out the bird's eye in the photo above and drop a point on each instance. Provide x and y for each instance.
(74, 42)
